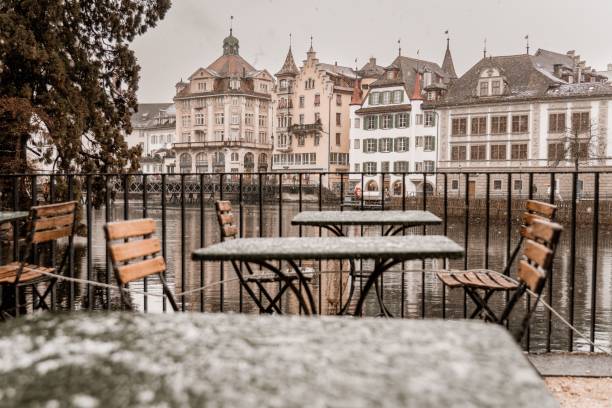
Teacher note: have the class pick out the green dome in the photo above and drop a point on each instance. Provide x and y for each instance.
(230, 45)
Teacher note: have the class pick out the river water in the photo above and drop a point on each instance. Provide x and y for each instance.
(403, 295)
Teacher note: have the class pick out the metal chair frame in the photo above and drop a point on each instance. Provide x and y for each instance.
(225, 219)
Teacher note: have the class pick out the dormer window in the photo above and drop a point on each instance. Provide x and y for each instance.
(490, 83)
(484, 88)
(390, 75)
(427, 78)
(496, 87)
(234, 83)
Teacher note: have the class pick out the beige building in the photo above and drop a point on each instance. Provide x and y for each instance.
(311, 110)
(224, 116)
(525, 112)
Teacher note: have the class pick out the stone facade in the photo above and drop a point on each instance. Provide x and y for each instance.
(224, 116)
(311, 111)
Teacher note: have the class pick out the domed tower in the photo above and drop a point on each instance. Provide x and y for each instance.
(230, 45)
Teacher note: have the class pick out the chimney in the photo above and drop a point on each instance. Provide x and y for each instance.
(557, 70)
(609, 67)
(373, 61)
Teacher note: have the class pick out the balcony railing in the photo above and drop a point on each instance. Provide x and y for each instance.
(479, 210)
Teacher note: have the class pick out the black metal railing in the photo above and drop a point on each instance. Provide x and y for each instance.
(481, 211)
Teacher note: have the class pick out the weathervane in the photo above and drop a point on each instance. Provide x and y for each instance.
(447, 39)
(527, 39)
(399, 46)
(231, 24)
(484, 50)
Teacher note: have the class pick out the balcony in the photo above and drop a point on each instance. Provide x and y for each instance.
(220, 143)
(284, 148)
(301, 129)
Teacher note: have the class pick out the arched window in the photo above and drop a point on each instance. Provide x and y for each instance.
(249, 161)
(185, 163)
(219, 158)
(201, 162)
(262, 162)
(372, 186)
(397, 188)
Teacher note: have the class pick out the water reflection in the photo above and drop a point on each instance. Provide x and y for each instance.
(411, 294)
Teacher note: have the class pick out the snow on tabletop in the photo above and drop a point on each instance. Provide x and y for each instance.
(224, 360)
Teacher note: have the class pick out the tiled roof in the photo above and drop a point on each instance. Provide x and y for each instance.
(408, 68)
(526, 77)
(371, 70)
(147, 112)
(230, 65)
(337, 70)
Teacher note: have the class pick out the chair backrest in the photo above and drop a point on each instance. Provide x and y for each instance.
(135, 259)
(52, 221)
(542, 238)
(536, 210)
(225, 217)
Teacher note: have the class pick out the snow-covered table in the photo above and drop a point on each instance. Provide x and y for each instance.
(118, 360)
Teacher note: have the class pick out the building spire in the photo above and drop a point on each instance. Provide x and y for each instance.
(484, 50)
(311, 48)
(289, 67)
(447, 65)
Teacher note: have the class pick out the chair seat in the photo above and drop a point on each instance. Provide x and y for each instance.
(478, 279)
(29, 274)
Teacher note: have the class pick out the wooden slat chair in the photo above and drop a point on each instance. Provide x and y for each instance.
(136, 259)
(534, 267)
(47, 223)
(229, 230)
(491, 281)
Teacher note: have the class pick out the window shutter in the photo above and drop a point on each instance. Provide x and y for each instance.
(370, 99)
(365, 145)
(401, 99)
(381, 145)
(393, 123)
(365, 121)
(375, 122)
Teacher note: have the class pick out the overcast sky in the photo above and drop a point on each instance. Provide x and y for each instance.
(192, 33)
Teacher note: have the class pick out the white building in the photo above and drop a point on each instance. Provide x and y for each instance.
(529, 112)
(391, 133)
(153, 128)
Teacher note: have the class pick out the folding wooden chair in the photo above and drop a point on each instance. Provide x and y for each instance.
(534, 267)
(535, 210)
(225, 218)
(47, 223)
(133, 260)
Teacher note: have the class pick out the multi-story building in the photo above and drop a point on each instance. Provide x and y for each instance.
(392, 132)
(153, 128)
(224, 116)
(530, 112)
(312, 117)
